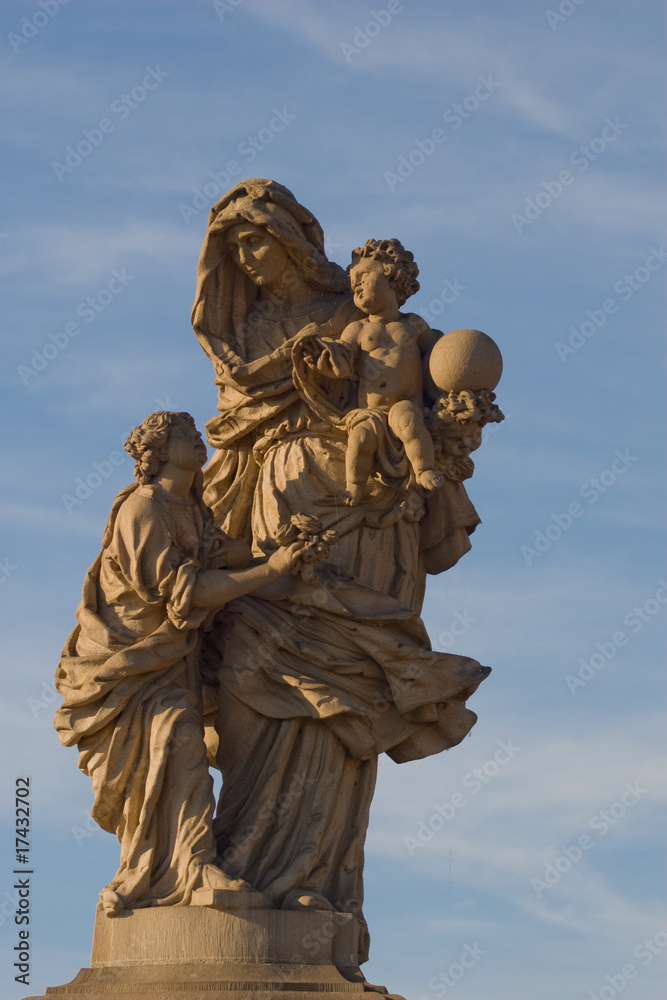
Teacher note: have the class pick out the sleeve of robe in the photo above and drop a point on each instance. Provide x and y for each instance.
(136, 625)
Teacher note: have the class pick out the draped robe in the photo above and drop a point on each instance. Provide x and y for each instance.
(314, 685)
(130, 691)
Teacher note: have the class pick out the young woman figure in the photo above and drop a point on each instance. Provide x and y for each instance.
(127, 673)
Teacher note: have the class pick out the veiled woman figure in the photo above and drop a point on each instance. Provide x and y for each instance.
(314, 680)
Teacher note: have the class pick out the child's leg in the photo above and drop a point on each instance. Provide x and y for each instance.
(361, 448)
(407, 422)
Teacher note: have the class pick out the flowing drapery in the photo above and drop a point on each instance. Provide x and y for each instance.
(130, 695)
(312, 686)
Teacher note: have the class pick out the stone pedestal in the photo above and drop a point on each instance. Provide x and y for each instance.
(175, 952)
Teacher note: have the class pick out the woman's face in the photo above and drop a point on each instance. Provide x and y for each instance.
(257, 253)
(186, 450)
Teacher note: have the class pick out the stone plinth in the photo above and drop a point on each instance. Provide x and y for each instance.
(176, 952)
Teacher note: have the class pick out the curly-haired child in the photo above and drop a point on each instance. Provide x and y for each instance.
(389, 348)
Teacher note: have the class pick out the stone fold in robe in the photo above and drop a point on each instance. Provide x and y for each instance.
(128, 680)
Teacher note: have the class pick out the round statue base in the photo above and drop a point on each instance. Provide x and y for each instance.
(175, 952)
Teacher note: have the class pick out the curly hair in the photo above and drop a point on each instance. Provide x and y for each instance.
(468, 407)
(397, 262)
(148, 443)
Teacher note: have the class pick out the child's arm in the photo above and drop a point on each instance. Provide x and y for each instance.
(426, 339)
(215, 587)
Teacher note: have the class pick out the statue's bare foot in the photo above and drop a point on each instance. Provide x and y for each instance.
(353, 494)
(111, 902)
(211, 877)
(305, 899)
(430, 479)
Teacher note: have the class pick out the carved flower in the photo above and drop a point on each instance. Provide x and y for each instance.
(307, 522)
(286, 534)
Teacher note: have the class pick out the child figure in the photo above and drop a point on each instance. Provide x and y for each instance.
(389, 348)
(128, 673)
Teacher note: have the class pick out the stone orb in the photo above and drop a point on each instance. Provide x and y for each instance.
(465, 359)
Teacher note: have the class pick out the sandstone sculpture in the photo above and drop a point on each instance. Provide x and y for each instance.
(384, 351)
(340, 456)
(128, 673)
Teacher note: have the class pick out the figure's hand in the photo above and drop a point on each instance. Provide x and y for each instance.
(318, 356)
(284, 558)
(311, 350)
(353, 494)
(430, 479)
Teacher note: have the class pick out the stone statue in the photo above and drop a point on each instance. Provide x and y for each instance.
(268, 611)
(314, 682)
(127, 675)
(386, 354)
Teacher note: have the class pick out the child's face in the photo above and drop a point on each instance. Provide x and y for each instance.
(372, 288)
(463, 439)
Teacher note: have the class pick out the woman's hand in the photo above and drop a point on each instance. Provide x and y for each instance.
(284, 558)
(311, 349)
(214, 588)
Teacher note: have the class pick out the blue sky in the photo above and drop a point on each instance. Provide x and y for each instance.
(529, 137)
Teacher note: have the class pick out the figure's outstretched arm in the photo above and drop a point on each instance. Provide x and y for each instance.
(215, 587)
